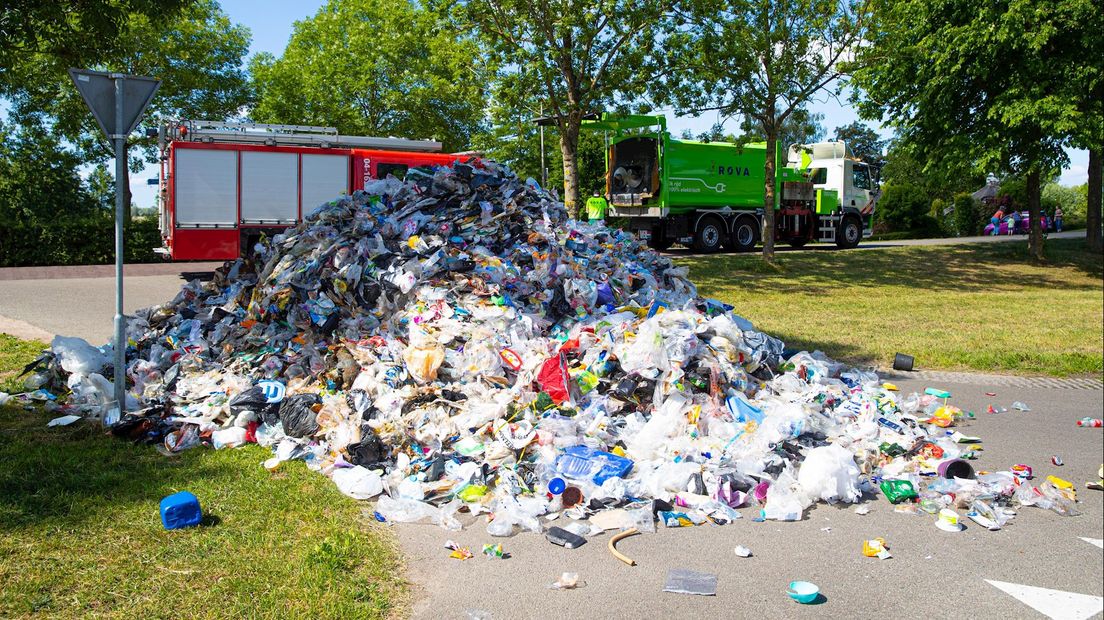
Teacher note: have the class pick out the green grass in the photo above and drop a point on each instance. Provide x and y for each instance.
(983, 307)
(80, 533)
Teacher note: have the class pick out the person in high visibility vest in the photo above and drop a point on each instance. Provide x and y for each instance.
(596, 207)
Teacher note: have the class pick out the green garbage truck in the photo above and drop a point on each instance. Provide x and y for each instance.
(709, 195)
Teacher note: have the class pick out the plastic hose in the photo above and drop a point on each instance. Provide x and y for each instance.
(613, 541)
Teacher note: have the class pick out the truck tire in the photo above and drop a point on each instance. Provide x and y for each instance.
(849, 233)
(745, 235)
(709, 235)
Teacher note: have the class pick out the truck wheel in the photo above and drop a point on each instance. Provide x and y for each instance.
(708, 236)
(849, 233)
(745, 234)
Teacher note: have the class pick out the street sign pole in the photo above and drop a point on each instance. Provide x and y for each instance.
(120, 204)
(117, 101)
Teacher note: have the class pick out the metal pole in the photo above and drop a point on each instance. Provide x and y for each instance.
(544, 168)
(120, 204)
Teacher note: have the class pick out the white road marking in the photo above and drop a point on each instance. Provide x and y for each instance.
(1099, 542)
(1053, 604)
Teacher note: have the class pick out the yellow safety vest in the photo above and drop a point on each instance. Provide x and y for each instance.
(596, 208)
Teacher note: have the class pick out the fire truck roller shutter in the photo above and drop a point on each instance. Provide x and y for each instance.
(270, 187)
(325, 177)
(206, 187)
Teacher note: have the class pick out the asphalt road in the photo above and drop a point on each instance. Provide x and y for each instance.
(782, 248)
(932, 573)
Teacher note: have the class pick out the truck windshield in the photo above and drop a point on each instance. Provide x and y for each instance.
(860, 177)
(396, 170)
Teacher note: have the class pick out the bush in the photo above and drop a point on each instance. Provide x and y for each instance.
(967, 215)
(88, 240)
(904, 208)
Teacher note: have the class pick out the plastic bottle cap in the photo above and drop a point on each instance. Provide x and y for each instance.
(556, 486)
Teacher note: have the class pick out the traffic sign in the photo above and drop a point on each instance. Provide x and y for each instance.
(98, 90)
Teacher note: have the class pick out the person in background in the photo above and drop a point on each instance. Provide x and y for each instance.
(997, 217)
(1058, 219)
(1014, 222)
(596, 207)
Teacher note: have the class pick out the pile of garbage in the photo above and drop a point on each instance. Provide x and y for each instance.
(456, 342)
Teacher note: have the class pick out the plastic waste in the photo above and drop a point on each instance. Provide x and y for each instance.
(564, 538)
(76, 356)
(583, 462)
(299, 414)
(180, 510)
(685, 581)
(358, 482)
(829, 473)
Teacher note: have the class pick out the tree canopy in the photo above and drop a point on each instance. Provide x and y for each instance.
(864, 142)
(582, 56)
(985, 83)
(375, 67)
(69, 32)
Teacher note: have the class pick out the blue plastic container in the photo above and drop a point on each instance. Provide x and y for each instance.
(582, 462)
(180, 510)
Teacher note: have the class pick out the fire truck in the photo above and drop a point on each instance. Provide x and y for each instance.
(223, 185)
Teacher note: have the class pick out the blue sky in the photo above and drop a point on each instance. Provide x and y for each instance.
(271, 22)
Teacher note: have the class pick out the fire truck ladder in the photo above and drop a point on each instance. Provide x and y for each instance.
(283, 135)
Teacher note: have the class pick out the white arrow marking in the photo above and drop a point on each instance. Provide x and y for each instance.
(1053, 604)
(1099, 542)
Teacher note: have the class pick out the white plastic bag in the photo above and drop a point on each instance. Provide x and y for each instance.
(829, 473)
(782, 502)
(77, 356)
(358, 482)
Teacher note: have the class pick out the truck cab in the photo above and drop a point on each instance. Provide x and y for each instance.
(829, 167)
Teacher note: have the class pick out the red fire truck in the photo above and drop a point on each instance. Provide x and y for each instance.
(223, 185)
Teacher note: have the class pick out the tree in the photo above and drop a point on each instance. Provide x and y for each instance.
(801, 127)
(763, 59)
(514, 139)
(38, 177)
(197, 54)
(76, 33)
(864, 142)
(375, 67)
(582, 56)
(982, 83)
(907, 164)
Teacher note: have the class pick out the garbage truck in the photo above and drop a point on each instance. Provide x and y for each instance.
(709, 195)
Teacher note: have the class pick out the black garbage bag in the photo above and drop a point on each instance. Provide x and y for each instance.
(367, 452)
(255, 400)
(298, 415)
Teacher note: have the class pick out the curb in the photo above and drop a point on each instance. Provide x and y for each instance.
(1058, 383)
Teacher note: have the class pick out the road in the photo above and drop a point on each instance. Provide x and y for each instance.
(931, 573)
(878, 245)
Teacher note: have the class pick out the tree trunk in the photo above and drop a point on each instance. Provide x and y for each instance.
(769, 170)
(1092, 217)
(1034, 194)
(569, 148)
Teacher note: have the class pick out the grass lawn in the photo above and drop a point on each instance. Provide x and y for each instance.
(982, 306)
(81, 536)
